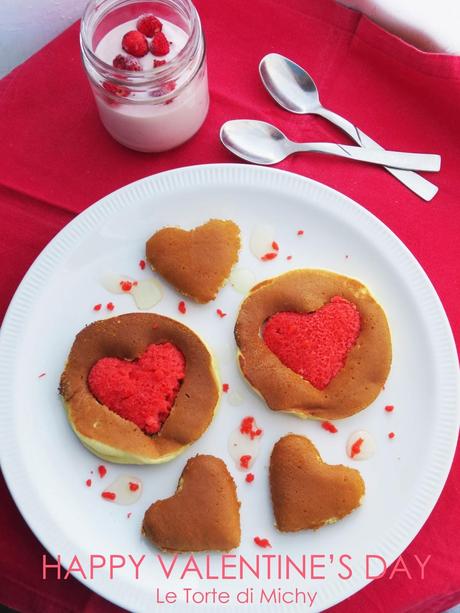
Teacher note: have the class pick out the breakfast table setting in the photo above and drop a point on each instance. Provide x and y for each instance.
(295, 85)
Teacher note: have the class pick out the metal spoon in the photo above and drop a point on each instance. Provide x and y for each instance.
(261, 143)
(293, 88)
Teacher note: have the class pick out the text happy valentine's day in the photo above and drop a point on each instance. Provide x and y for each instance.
(268, 567)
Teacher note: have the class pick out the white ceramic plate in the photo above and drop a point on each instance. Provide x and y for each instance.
(46, 466)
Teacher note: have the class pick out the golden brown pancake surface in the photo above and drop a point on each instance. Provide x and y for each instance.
(367, 363)
(203, 514)
(307, 493)
(196, 262)
(116, 439)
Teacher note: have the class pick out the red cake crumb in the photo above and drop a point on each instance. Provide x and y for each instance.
(314, 345)
(249, 478)
(264, 543)
(391, 435)
(88, 482)
(133, 487)
(356, 447)
(109, 495)
(329, 427)
(244, 461)
(247, 427)
(110, 306)
(143, 390)
(126, 286)
(135, 43)
(160, 44)
(181, 307)
(389, 408)
(225, 387)
(102, 470)
(142, 264)
(221, 313)
(271, 255)
(149, 25)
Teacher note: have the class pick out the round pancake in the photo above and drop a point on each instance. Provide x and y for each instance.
(367, 364)
(108, 435)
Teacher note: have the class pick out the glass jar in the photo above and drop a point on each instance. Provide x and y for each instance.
(157, 108)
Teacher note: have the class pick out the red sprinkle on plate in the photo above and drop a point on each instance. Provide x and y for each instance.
(41, 375)
(142, 264)
(225, 387)
(329, 427)
(221, 313)
(391, 435)
(97, 307)
(264, 543)
(110, 306)
(389, 408)
(356, 447)
(247, 427)
(109, 495)
(102, 470)
(269, 256)
(88, 482)
(275, 246)
(181, 307)
(249, 478)
(300, 232)
(133, 486)
(244, 461)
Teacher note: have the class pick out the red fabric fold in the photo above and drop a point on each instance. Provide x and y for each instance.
(57, 159)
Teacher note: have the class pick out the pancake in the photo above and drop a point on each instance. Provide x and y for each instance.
(203, 514)
(365, 362)
(107, 434)
(307, 493)
(196, 262)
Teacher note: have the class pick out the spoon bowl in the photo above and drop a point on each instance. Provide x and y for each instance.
(255, 141)
(289, 84)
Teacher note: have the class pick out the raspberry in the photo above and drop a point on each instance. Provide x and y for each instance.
(149, 25)
(160, 45)
(116, 90)
(158, 63)
(126, 63)
(135, 43)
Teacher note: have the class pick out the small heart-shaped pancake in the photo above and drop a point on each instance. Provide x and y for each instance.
(306, 492)
(143, 390)
(314, 345)
(196, 262)
(203, 514)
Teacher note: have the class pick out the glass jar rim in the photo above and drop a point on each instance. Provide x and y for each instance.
(141, 78)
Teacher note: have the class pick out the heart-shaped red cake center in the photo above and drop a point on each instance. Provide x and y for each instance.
(143, 390)
(314, 345)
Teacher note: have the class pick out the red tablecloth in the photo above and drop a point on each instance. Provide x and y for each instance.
(57, 159)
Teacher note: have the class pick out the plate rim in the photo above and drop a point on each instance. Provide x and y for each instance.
(99, 211)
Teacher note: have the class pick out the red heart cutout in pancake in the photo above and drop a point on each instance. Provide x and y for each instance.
(314, 345)
(142, 391)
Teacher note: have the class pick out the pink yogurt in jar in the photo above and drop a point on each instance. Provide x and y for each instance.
(165, 101)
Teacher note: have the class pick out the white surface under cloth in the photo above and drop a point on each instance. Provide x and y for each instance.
(27, 25)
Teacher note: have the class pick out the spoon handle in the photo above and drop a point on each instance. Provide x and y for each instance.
(395, 159)
(419, 185)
